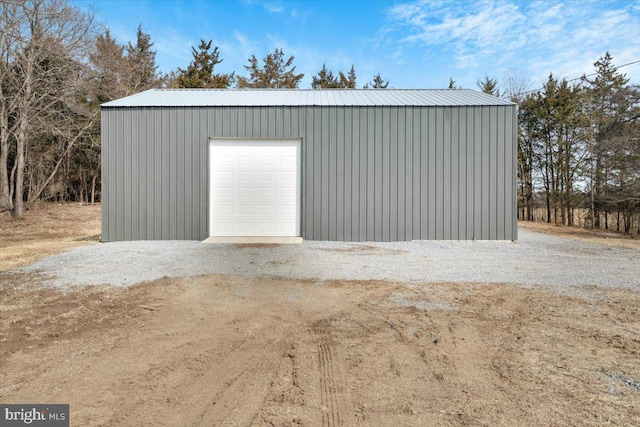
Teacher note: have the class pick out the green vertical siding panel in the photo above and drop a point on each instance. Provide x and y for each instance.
(364, 149)
(493, 172)
(374, 177)
(454, 174)
(189, 174)
(125, 178)
(440, 171)
(141, 142)
(470, 173)
(134, 189)
(499, 203)
(150, 159)
(205, 132)
(325, 207)
(195, 141)
(317, 175)
(379, 175)
(393, 197)
(173, 175)
(404, 173)
(331, 192)
(432, 177)
(461, 183)
(391, 205)
(486, 173)
(343, 156)
(416, 176)
(105, 173)
(352, 175)
(424, 210)
(181, 173)
(477, 172)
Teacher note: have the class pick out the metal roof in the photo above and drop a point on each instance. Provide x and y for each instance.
(306, 97)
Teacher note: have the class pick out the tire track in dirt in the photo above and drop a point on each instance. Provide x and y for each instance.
(333, 399)
(208, 378)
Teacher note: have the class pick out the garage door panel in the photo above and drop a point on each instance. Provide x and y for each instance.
(289, 211)
(244, 176)
(224, 192)
(267, 176)
(245, 192)
(223, 227)
(287, 177)
(223, 209)
(287, 193)
(266, 192)
(244, 160)
(224, 176)
(255, 188)
(288, 161)
(224, 160)
(245, 210)
(267, 161)
(266, 210)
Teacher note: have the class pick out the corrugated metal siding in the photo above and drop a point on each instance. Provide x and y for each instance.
(368, 173)
(306, 98)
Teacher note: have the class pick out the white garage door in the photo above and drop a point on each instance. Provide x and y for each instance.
(255, 188)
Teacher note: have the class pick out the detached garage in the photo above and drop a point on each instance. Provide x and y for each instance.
(346, 165)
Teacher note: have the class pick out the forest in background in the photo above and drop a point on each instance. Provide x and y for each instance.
(578, 140)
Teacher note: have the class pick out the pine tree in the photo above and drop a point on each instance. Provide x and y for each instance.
(379, 83)
(141, 59)
(108, 61)
(348, 81)
(324, 79)
(200, 72)
(276, 72)
(489, 85)
(608, 110)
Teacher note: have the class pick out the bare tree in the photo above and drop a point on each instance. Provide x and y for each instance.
(43, 70)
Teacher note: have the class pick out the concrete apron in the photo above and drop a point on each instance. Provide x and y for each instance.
(255, 240)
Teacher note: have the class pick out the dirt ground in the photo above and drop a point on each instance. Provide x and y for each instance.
(611, 238)
(227, 350)
(46, 229)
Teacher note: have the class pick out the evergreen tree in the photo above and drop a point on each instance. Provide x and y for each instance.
(379, 83)
(200, 72)
(348, 81)
(324, 79)
(489, 85)
(108, 62)
(603, 99)
(141, 60)
(276, 72)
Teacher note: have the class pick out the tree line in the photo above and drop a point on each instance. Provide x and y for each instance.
(578, 148)
(578, 141)
(57, 65)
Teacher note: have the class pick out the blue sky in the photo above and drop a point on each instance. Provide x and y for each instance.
(414, 44)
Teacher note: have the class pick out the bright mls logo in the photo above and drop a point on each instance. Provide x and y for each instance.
(34, 415)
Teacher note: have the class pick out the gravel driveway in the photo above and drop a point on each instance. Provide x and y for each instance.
(536, 259)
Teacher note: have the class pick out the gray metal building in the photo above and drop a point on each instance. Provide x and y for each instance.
(351, 165)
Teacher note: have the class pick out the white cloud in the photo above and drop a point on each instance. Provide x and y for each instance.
(538, 37)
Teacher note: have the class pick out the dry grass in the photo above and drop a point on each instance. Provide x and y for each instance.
(604, 237)
(46, 229)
